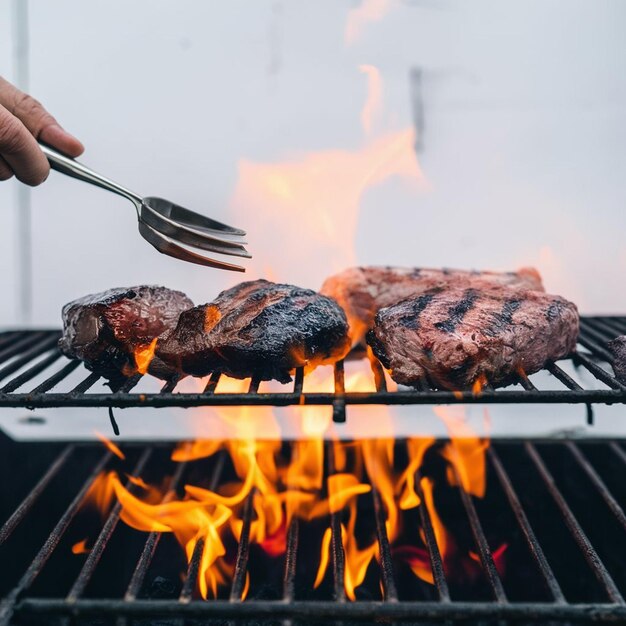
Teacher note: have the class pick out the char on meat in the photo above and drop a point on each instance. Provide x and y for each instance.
(618, 348)
(452, 337)
(363, 291)
(259, 329)
(106, 330)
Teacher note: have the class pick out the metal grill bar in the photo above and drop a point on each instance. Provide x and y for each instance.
(152, 541)
(598, 483)
(298, 382)
(486, 558)
(598, 372)
(610, 328)
(22, 510)
(288, 609)
(618, 451)
(96, 552)
(254, 385)
(291, 555)
(39, 348)
(379, 376)
(604, 327)
(337, 553)
(31, 372)
(37, 564)
(18, 349)
(56, 378)
(402, 397)
(564, 377)
(193, 570)
(22, 348)
(25, 341)
(339, 402)
(324, 610)
(84, 385)
(436, 562)
(390, 593)
(170, 385)
(532, 542)
(7, 337)
(243, 550)
(525, 382)
(211, 385)
(588, 551)
(594, 340)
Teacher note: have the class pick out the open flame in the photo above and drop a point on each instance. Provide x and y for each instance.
(320, 193)
(110, 445)
(282, 487)
(366, 12)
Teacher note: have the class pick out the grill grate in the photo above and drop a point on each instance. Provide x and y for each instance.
(29, 355)
(116, 581)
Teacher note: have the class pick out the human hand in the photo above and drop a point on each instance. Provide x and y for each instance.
(23, 121)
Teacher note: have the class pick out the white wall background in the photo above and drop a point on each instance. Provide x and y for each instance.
(524, 138)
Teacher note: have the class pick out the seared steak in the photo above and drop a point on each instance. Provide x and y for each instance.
(259, 329)
(113, 331)
(452, 337)
(618, 349)
(363, 291)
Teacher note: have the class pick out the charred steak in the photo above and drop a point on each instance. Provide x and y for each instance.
(452, 337)
(363, 291)
(618, 348)
(258, 329)
(113, 331)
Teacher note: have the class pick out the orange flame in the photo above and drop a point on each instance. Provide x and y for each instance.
(373, 104)
(80, 547)
(465, 452)
(283, 488)
(479, 384)
(144, 355)
(110, 445)
(320, 193)
(368, 11)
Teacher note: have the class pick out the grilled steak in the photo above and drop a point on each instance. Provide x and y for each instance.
(113, 331)
(452, 337)
(618, 349)
(363, 291)
(258, 329)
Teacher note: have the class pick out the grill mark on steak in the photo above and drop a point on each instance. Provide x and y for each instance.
(258, 329)
(554, 310)
(458, 311)
(419, 304)
(504, 318)
(522, 337)
(363, 291)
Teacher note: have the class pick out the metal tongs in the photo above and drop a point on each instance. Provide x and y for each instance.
(163, 223)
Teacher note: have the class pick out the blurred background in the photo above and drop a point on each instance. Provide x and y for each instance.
(481, 134)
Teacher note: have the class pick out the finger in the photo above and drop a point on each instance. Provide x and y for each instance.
(5, 171)
(38, 121)
(20, 150)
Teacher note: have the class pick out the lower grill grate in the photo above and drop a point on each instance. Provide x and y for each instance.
(557, 507)
(34, 374)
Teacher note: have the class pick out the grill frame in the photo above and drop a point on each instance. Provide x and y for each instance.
(18, 604)
(20, 348)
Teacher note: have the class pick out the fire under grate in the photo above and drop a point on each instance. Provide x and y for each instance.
(557, 507)
(27, 356)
